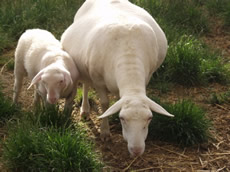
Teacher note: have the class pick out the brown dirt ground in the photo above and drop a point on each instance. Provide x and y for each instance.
(158, 156)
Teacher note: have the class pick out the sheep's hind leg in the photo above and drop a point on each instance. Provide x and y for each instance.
(105, 130)
(85, 107)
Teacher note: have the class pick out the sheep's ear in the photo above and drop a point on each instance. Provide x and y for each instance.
(36, 79)
(157, 108)
(113, 109)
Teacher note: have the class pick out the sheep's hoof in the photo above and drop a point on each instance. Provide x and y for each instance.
(105, 136)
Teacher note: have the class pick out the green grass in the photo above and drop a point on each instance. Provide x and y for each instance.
(185, 14)
(220, 8)
(51, 116)
(91, 96)
(19, 15)
(7, 109)
(186, 55)
(219, 98)
(46, 140)
(190, 125)
(189, 62)
(29, 148)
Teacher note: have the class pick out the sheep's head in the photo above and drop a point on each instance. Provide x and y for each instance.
(52, 82)
(135, 116)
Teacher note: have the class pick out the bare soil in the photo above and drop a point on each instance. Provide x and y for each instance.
(158, 156)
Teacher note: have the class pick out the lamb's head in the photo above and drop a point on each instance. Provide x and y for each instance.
(51, 82)
(135, 116)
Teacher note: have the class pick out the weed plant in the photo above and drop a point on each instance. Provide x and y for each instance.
(188, 127)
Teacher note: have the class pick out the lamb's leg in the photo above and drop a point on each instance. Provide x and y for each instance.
(37, 99)
(104, 100)
(85, 107)
(17, 86)
(70, 100)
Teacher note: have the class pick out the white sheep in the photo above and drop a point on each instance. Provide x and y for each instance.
(40, 56)
(116, 46)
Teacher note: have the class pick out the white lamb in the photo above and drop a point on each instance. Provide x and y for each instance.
(40, 56)
(116, 46)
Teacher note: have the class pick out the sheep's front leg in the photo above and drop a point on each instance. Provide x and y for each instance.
(105, 130)
(85, 107)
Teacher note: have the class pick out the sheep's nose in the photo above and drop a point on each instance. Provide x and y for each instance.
(136, 151)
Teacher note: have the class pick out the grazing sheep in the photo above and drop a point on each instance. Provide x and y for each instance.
(116, 46)
(40, 56)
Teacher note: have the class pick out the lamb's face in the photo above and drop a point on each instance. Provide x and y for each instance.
(135, 118)
(54, 83)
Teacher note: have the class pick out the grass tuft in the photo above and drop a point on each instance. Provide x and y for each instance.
(51, 117)
(189, 126)
(191, 63)
(18, 16)
(219, 98)
(29, 148)
(34, 147)
(184, 61)
(220, 8)
(185, 14)
(7, 109)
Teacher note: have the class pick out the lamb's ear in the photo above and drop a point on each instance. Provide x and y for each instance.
(113, 109)
(157, 108)
(36, 79)
(67, 78)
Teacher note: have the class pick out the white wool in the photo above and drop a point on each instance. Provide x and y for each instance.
(40, 56)
(116, 46)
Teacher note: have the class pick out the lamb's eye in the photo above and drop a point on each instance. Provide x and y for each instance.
(61, 82)
(150, 118)
(122, 119)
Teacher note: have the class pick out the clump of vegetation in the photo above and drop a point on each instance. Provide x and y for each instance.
(30, 148)
(184, 61)
(220, 8)
(184, 14)
(18, 16)
(219, 98)
(51, 116)
(190, 63)
(7, 108)
(91, 96)
(46, 140)
(213, 69)
(189, 126)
